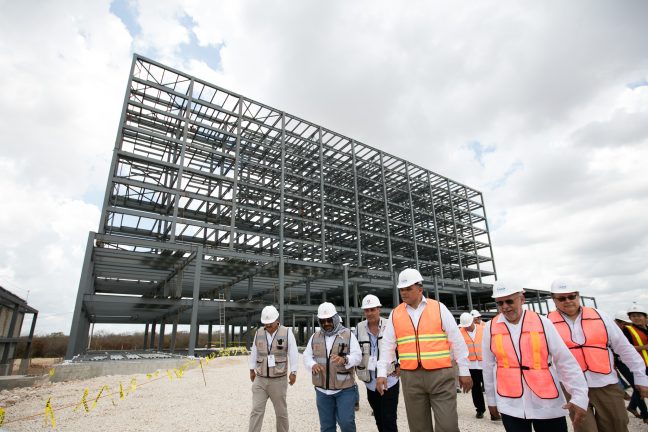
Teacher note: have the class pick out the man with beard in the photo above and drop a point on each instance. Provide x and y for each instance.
(331, 355)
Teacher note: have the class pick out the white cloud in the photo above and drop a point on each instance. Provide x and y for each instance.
(543, 84)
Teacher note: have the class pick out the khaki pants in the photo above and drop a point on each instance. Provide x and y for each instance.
(606, 411)
(275, 389)
(430, 389)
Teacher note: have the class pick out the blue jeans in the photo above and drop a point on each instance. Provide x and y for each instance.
(338, 407)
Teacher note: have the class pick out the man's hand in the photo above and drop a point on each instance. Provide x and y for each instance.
(291, 378)
(338, 360)
(396, 372)
(493, 412)
(465, 382)
(318, 368)
(252, 375)
(576, 413)
(381, 385)
(643, 391)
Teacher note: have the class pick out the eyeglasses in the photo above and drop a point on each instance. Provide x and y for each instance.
(326, 320)
(565, 298)
(509, 302)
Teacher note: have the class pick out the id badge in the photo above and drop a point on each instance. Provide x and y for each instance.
(271, 360)
(372, 363)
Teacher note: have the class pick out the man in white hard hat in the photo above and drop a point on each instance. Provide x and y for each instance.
(525, 360)
(369, 332)
(274, 352)
(621, 319)
(637, 334)
(593, 339)
(477, 317)
(331, 355)
(427, 338)
(473, 335)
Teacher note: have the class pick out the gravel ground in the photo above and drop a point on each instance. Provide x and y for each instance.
(186, 404)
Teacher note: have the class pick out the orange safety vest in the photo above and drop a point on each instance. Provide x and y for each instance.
(427, 345)
(474, 346)
(593, 355)
(533, 364)
(639, 338)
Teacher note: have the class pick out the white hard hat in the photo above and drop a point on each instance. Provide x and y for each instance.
(561, 286)
(502, 289)
(637, 308)
(370, 301)
(622, 316)
(408, 277)
(465, 320)
(326, 310)
(269, 314)
(475, 313)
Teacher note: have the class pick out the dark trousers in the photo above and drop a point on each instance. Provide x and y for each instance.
(636, 401)
(515, 424)
(385, 408)
(476, 392)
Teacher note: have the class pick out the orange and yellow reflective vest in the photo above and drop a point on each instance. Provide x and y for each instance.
(593, 354)
(533, 364)
(426, 345)
(474, 346)
(639, 338)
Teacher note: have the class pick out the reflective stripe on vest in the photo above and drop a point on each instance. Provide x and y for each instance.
(533, 364)
(593, 355)
(474, 346)
(427, 345)
(639, 338)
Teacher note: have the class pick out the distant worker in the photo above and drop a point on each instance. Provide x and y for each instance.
(525, 360)
(273, 350)
(621, 319)
(637, 334)
(477, 317)
(593, 339)
(369, 332)
(331, 355)
(473, 335)
(425, 333)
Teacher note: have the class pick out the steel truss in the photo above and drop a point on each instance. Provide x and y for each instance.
(216, 202)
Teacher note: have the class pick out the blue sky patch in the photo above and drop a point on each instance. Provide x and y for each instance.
(479, 151)
(636, 84)
(503, 179)
(126, 12)
(210, 54)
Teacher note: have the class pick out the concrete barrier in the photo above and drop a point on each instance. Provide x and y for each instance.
(85, 370)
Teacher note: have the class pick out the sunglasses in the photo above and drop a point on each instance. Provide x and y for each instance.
(326, 320)
(565, 298)
(509, 302)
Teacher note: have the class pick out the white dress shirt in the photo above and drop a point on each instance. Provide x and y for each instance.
(354, 357)
(458, 347)
(619, 344)
(473, 364)
(292, 350)
(564, 369)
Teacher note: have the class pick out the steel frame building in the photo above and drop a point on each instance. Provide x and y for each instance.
(217, 205)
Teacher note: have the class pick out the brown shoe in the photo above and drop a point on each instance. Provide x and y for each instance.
(626, 396)
(634, 412)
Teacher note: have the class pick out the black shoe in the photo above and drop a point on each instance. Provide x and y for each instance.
(480, 414)
(498, 418)
(357, 406)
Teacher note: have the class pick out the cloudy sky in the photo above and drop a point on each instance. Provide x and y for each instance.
(543, 106)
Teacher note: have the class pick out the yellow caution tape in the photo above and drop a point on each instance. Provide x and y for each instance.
(105, 387)
(133, 384)
(51, 372)
(2, 416)
(84, 401)
(178, 373)
(49, 413)
(121, 391)
(169, 374)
